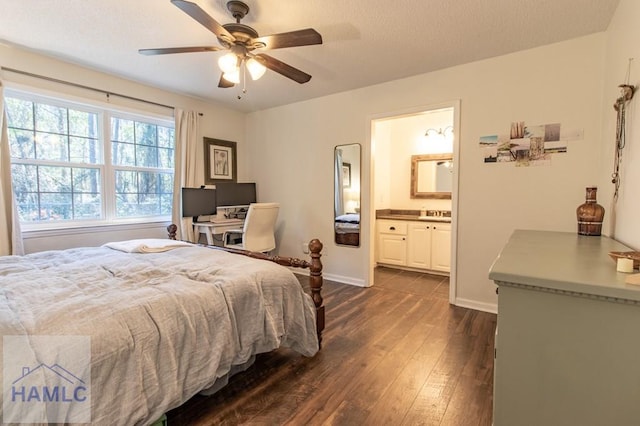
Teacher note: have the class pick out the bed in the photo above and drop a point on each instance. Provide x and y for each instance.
(163, 320)
(347, 229)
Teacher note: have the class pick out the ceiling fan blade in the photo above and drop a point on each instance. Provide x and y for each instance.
(169, 50)
(281, 68)
(304, 37)
(204, 18)
(224, 84)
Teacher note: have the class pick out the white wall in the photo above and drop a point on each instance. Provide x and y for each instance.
(622, 43)
(405, 136)
(292, 149)
(216, 122)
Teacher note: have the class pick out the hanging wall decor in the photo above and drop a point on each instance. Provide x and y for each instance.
(626, 94)
(527, 145)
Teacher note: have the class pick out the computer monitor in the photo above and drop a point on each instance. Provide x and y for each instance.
(198, 202)
(233, 194)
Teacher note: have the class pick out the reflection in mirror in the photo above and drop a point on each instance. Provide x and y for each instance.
(431, 176)
(347, 194)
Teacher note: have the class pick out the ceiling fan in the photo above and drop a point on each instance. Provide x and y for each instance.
(241, 41)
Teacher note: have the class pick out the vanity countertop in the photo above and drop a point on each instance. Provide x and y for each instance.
(414, 215)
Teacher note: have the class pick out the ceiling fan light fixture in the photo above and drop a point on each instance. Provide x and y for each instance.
(233, 76)
(256, 69)
(228, 63)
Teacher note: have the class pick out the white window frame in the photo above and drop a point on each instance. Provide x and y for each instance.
(104, 111)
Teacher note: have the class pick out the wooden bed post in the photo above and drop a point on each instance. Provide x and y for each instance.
(315, 280)
(172, 230)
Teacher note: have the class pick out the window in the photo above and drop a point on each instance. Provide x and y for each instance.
(68, 166)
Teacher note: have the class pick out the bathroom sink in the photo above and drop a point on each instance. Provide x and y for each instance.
(435, 218)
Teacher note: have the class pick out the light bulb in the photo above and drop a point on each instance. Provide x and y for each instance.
(233, 76)
(256, 69)
(228, 63)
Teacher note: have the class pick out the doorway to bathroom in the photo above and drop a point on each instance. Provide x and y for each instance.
(398, 143)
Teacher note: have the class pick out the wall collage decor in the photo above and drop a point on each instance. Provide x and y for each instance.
(527, 146)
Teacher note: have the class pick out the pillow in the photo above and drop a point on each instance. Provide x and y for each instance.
(147, 245)
(348, 218)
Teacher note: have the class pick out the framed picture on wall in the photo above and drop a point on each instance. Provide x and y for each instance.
(220, 161)
(346, 175)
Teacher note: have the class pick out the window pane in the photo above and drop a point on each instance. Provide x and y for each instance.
(87, 206)
(149, 204)
(148, 183)
(149, 199)
(146, 156)
(55, 206)
(24, 178)
(122, 130)
(126, 205)
(166, 183)
(126, 182)
(165, 137)
(146, 134)
(54, 179)
(165, 158)
(123, 154)
(86, 180)
(28, 206)
(19, 113)
(51, 119)
(83, 123)
(22, 144)
(84, 150)
(52, 147)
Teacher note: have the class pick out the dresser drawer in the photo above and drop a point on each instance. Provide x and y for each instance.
(386, 226)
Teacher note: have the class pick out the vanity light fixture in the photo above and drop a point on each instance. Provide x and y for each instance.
(446, 133)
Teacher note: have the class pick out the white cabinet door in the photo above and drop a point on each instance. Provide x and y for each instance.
(392, 249)
(392, 242)
(419, 245)
(441, 247)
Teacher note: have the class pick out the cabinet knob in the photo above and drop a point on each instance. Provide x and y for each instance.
(392, 228)
(403, 238)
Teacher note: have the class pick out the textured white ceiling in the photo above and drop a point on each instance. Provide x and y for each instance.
(365, 41)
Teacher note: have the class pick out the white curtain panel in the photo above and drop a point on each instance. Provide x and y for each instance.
(10, 236)
(186, 134)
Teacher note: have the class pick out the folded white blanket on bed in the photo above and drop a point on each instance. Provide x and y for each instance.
(146, 245)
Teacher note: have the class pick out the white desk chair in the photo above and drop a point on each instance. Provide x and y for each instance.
(258, 230)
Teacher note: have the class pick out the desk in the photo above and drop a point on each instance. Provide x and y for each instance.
(212, 228)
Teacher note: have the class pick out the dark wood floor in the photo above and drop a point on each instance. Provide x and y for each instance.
(393, 354)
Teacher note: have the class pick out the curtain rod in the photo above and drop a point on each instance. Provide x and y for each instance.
(68, 83)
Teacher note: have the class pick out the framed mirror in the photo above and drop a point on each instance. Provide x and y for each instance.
(346, 188)
(431, 176)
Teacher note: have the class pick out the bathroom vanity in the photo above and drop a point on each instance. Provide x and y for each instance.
(407, 240)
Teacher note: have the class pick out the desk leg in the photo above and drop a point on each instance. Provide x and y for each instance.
(209, 235)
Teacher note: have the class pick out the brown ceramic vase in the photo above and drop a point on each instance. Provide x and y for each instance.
(590, 214)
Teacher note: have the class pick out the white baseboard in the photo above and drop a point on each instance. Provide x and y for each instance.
(478, 306)
(345, 280)
(332, 277)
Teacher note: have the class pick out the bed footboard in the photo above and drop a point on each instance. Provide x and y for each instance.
(314, 266)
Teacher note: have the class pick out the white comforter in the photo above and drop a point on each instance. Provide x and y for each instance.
(163, 326)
